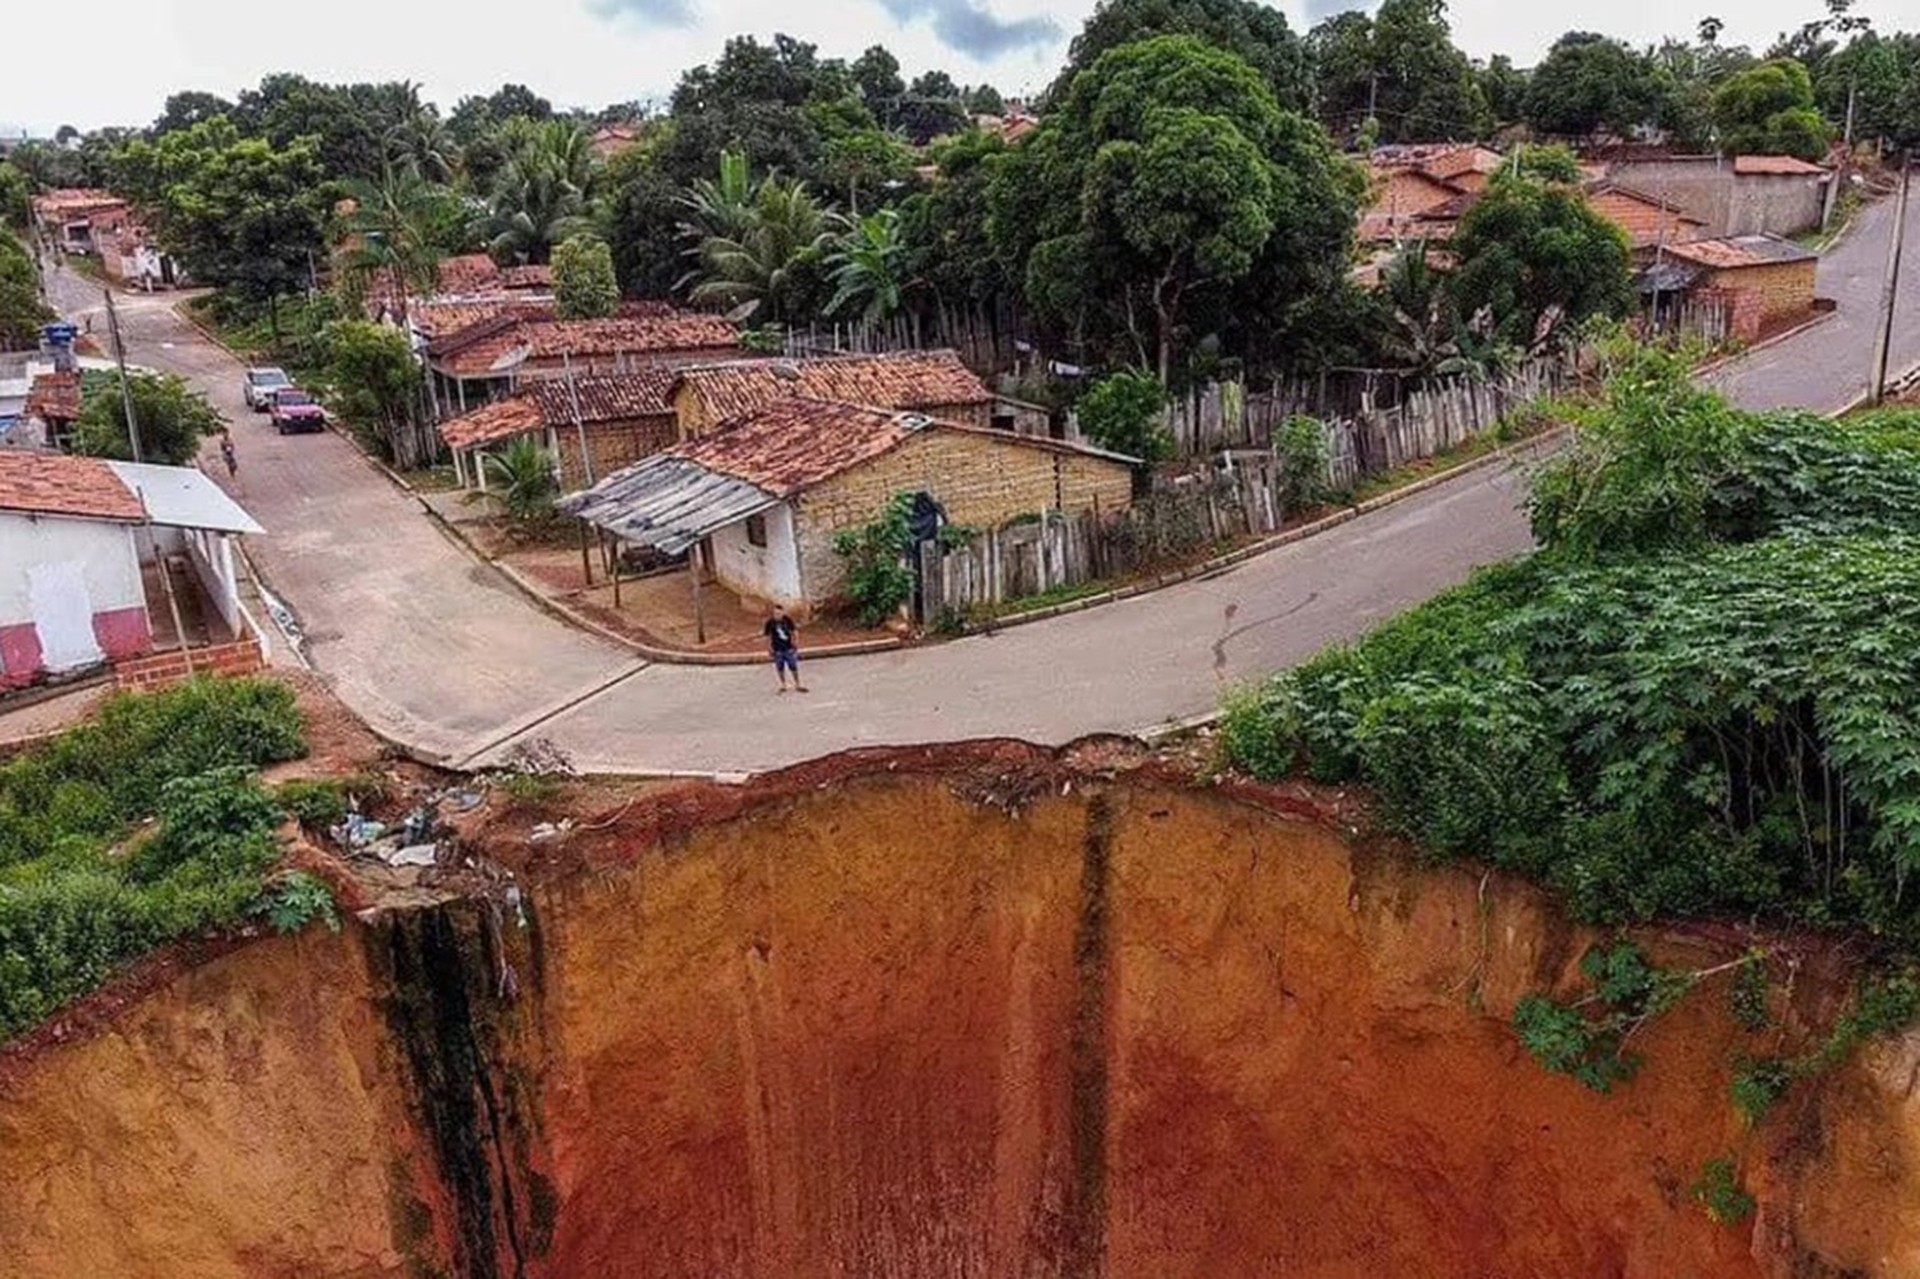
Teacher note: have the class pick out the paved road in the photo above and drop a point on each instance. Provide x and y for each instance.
(426, 643)
(1830, 365)
(432, 647)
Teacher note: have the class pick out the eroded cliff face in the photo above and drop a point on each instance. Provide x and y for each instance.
(940, 1021)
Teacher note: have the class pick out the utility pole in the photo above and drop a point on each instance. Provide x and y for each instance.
(126, 388)
(1883, 344)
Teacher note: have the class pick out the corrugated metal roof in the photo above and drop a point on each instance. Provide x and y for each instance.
(667, 502)
(183, 497)
(1741, 250)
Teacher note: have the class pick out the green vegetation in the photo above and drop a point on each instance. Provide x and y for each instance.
(21, 310)
(1303, 451)
(315, 804)
(1127, 412)
(173, 418)
(1533, 255)
(1692, 702)
(1719, 1193)
(583, 283)
(878, 579)
(298, 899)
(374, 385)
(142, 827)
(525, 474)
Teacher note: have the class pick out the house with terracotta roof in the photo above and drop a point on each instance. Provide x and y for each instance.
(111, 562)
(1764, 280)
(591, 425)
(51, 409)
(1648, 221)
(935, 383)
(759, 500)
(492, 357)
(73, 217)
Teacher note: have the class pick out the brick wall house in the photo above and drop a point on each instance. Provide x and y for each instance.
(766, 493)
(982, 480)
(621, 418)
(1763, 279)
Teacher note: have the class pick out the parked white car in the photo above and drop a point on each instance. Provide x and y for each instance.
(261, 385)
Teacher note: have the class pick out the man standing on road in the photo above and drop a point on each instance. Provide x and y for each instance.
(780, 631)
(226, 452)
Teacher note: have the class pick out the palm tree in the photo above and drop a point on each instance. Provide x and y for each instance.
(759, 270)
(420, 141)
(723, 207)
(388, 232)
(543, 193)
(866, 264)
(525, 474)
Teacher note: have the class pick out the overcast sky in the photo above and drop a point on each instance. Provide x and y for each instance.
(115, 61)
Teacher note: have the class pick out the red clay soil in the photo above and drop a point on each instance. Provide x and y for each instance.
(964, 1011)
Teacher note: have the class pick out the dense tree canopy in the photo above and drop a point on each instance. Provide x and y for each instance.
(173, 418)
(1400, 68)
(1534, 260)
(1589, 83)
(1257, 33)
(1769, 110)
(1166, 177)
(21, 310)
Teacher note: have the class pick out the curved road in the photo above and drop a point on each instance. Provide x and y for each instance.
(435, 649)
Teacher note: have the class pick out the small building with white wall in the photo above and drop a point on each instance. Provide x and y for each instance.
(105, 562)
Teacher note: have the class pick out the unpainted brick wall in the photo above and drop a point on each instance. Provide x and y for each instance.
(1782, 289)
(158, 671)
(981, 480)
(612, 445)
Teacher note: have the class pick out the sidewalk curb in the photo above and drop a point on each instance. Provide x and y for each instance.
(1712, 367)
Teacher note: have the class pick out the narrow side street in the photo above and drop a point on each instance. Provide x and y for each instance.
(435, 649)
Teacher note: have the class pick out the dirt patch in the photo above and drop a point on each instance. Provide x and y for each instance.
(955, 1011)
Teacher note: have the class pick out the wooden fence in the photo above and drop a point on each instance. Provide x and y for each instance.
(988, 340)
(1184, 518)
(1377, 420)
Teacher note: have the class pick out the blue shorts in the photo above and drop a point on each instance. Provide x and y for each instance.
(786, 659)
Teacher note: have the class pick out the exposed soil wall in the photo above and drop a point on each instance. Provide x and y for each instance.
(952, 1023)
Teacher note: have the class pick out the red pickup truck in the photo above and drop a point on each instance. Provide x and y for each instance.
(295, 412)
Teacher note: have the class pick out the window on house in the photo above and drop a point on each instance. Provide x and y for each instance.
(757, 530)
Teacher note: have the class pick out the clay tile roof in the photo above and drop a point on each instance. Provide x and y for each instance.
(1775, 164)
(676, 331)
(55, 484)
(447, 320)
(527, 277)
(1642, 217)
(54, 397)
(1735, 251)
(1452, 164)
(607, 397)
(908, 380)
(788, 445)
(467, 273)
(75, 201)
(491, 423)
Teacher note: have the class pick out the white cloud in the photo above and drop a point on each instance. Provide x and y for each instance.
(124, 56)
